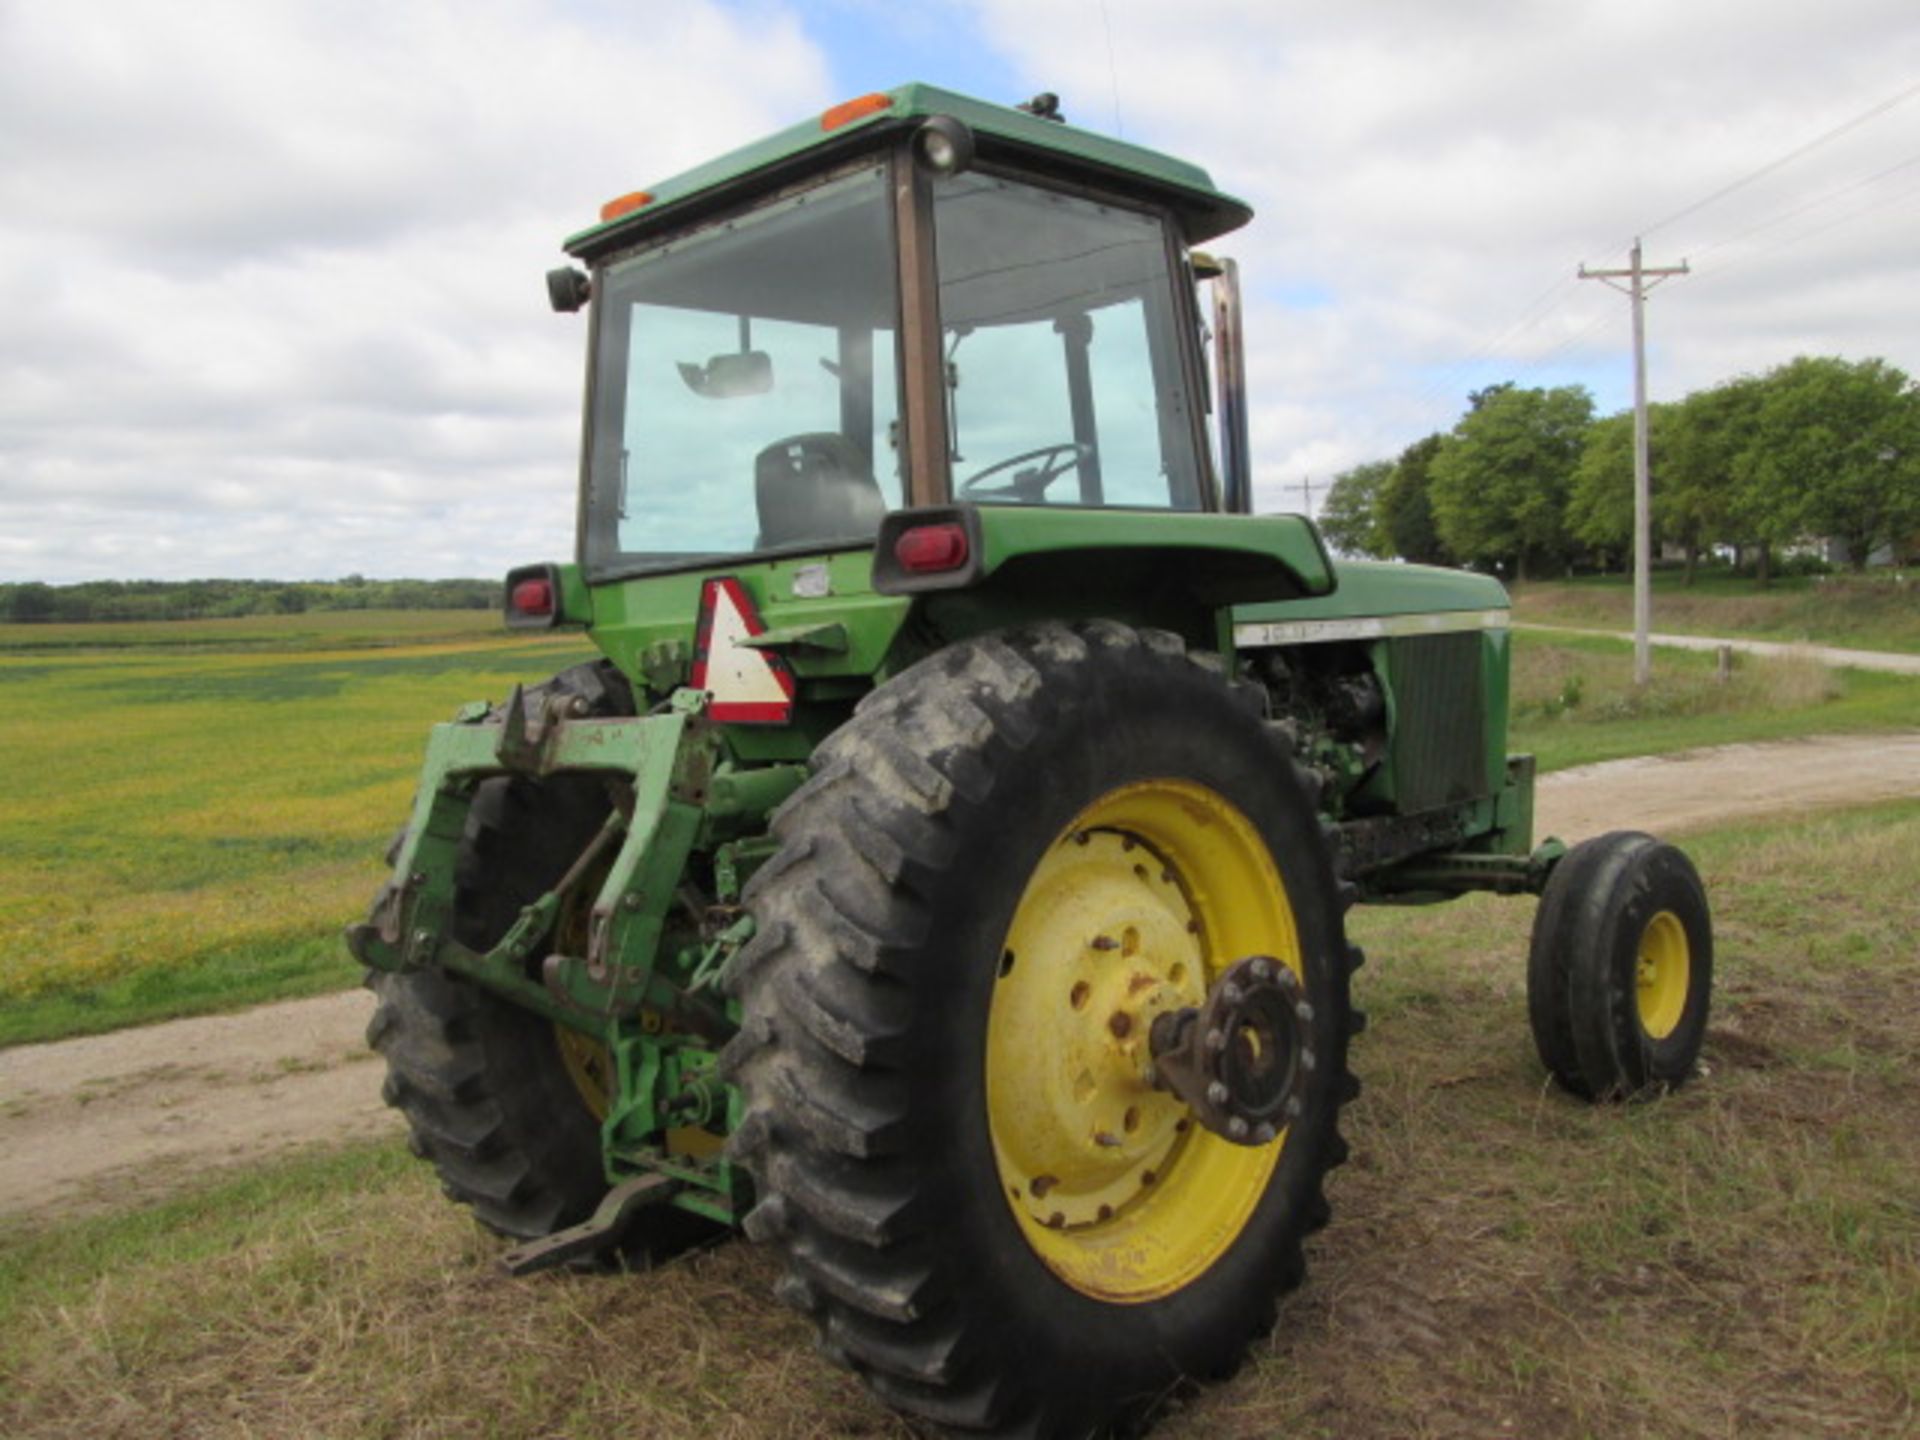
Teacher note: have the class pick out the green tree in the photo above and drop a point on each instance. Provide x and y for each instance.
(1698, 497)
(1350, 519)
(1500, 481)
(1406, 506)
(1837, 453)
(33, 602)
(1600, 499)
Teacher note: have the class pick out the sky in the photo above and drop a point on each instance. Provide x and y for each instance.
(271, 297)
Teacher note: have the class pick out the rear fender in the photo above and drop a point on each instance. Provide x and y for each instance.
(1175, 570)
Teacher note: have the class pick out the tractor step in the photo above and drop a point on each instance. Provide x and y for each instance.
(600, 1232)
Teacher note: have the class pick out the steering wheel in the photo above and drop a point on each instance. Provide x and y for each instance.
(1028, 486)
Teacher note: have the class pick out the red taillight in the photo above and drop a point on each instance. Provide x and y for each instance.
(930, 549)
(532, 597)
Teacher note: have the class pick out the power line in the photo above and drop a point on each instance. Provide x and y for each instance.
(1813, 204)
(1787, 159)
(1834, 224)
(1537, 310)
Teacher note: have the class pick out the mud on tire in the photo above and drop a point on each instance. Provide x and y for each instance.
(866, 997)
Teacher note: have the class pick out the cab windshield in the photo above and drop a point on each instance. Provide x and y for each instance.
(1064, 377)
(746, 393)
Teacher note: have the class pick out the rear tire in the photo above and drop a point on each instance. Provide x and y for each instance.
(1620, 971)
(885, 1050)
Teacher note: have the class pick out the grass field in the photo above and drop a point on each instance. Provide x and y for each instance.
(1740, 1259)
(1574, 702)
(196, 808)
(1871, 612)
(188, 824)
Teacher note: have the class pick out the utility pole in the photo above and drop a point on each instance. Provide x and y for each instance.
(1638, 277)
(1307, 486)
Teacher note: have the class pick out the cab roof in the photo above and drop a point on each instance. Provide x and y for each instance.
(1001, 132)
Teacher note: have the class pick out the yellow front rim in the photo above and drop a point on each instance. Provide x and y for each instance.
(1662, 975)
(1148, 895)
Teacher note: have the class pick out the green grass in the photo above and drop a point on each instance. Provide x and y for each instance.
(1574, 702)
(1872, 612)
(319, 630)
(188, 826)
(1741, 1258)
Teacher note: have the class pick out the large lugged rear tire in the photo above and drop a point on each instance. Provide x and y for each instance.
(1620, 970)
(1006, 862)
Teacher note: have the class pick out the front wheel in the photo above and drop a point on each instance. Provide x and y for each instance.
(1016, 855)
(1620, 972)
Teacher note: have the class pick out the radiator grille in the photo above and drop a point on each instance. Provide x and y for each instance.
(1439, 734)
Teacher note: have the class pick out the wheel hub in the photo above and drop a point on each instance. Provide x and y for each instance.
(1241, 1059)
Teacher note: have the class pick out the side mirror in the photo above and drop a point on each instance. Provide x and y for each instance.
(729, 377)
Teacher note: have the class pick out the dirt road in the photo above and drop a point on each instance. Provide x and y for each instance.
(91, 1123)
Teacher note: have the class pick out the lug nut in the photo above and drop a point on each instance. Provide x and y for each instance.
(1232, 994)
(1217, 1094)
(1216, 1040)
(1294, 1107)
(1236, 1128)
(1260, 970)
(1264, 1135)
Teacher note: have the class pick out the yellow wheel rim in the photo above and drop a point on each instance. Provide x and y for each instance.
(1662, 975)
(589, 1065)
(1150, 893)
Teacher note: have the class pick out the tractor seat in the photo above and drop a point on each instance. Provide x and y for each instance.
(815, 487)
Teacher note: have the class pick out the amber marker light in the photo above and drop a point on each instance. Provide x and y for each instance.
(847, 111)
(625, 204)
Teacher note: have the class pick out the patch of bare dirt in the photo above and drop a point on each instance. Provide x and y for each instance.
(1694, 789)
(93, 1122)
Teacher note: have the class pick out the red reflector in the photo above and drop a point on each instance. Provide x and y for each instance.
(532, 597)
(929, 549)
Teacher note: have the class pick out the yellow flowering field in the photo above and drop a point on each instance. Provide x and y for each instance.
(192, 810)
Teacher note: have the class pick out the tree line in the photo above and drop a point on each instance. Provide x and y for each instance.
(35, 602)
(1531, 482)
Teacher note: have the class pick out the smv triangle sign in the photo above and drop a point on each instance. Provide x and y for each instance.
(748, 686)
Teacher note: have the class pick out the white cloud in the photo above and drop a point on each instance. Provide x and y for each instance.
(271, 271)
(1430, 170)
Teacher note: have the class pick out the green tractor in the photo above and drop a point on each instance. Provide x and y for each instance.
(942, 877)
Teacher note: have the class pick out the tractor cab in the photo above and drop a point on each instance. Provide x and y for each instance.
(914, 300)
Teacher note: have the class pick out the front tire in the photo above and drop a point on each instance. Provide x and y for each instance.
(1005, 861)
(1620, 970)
